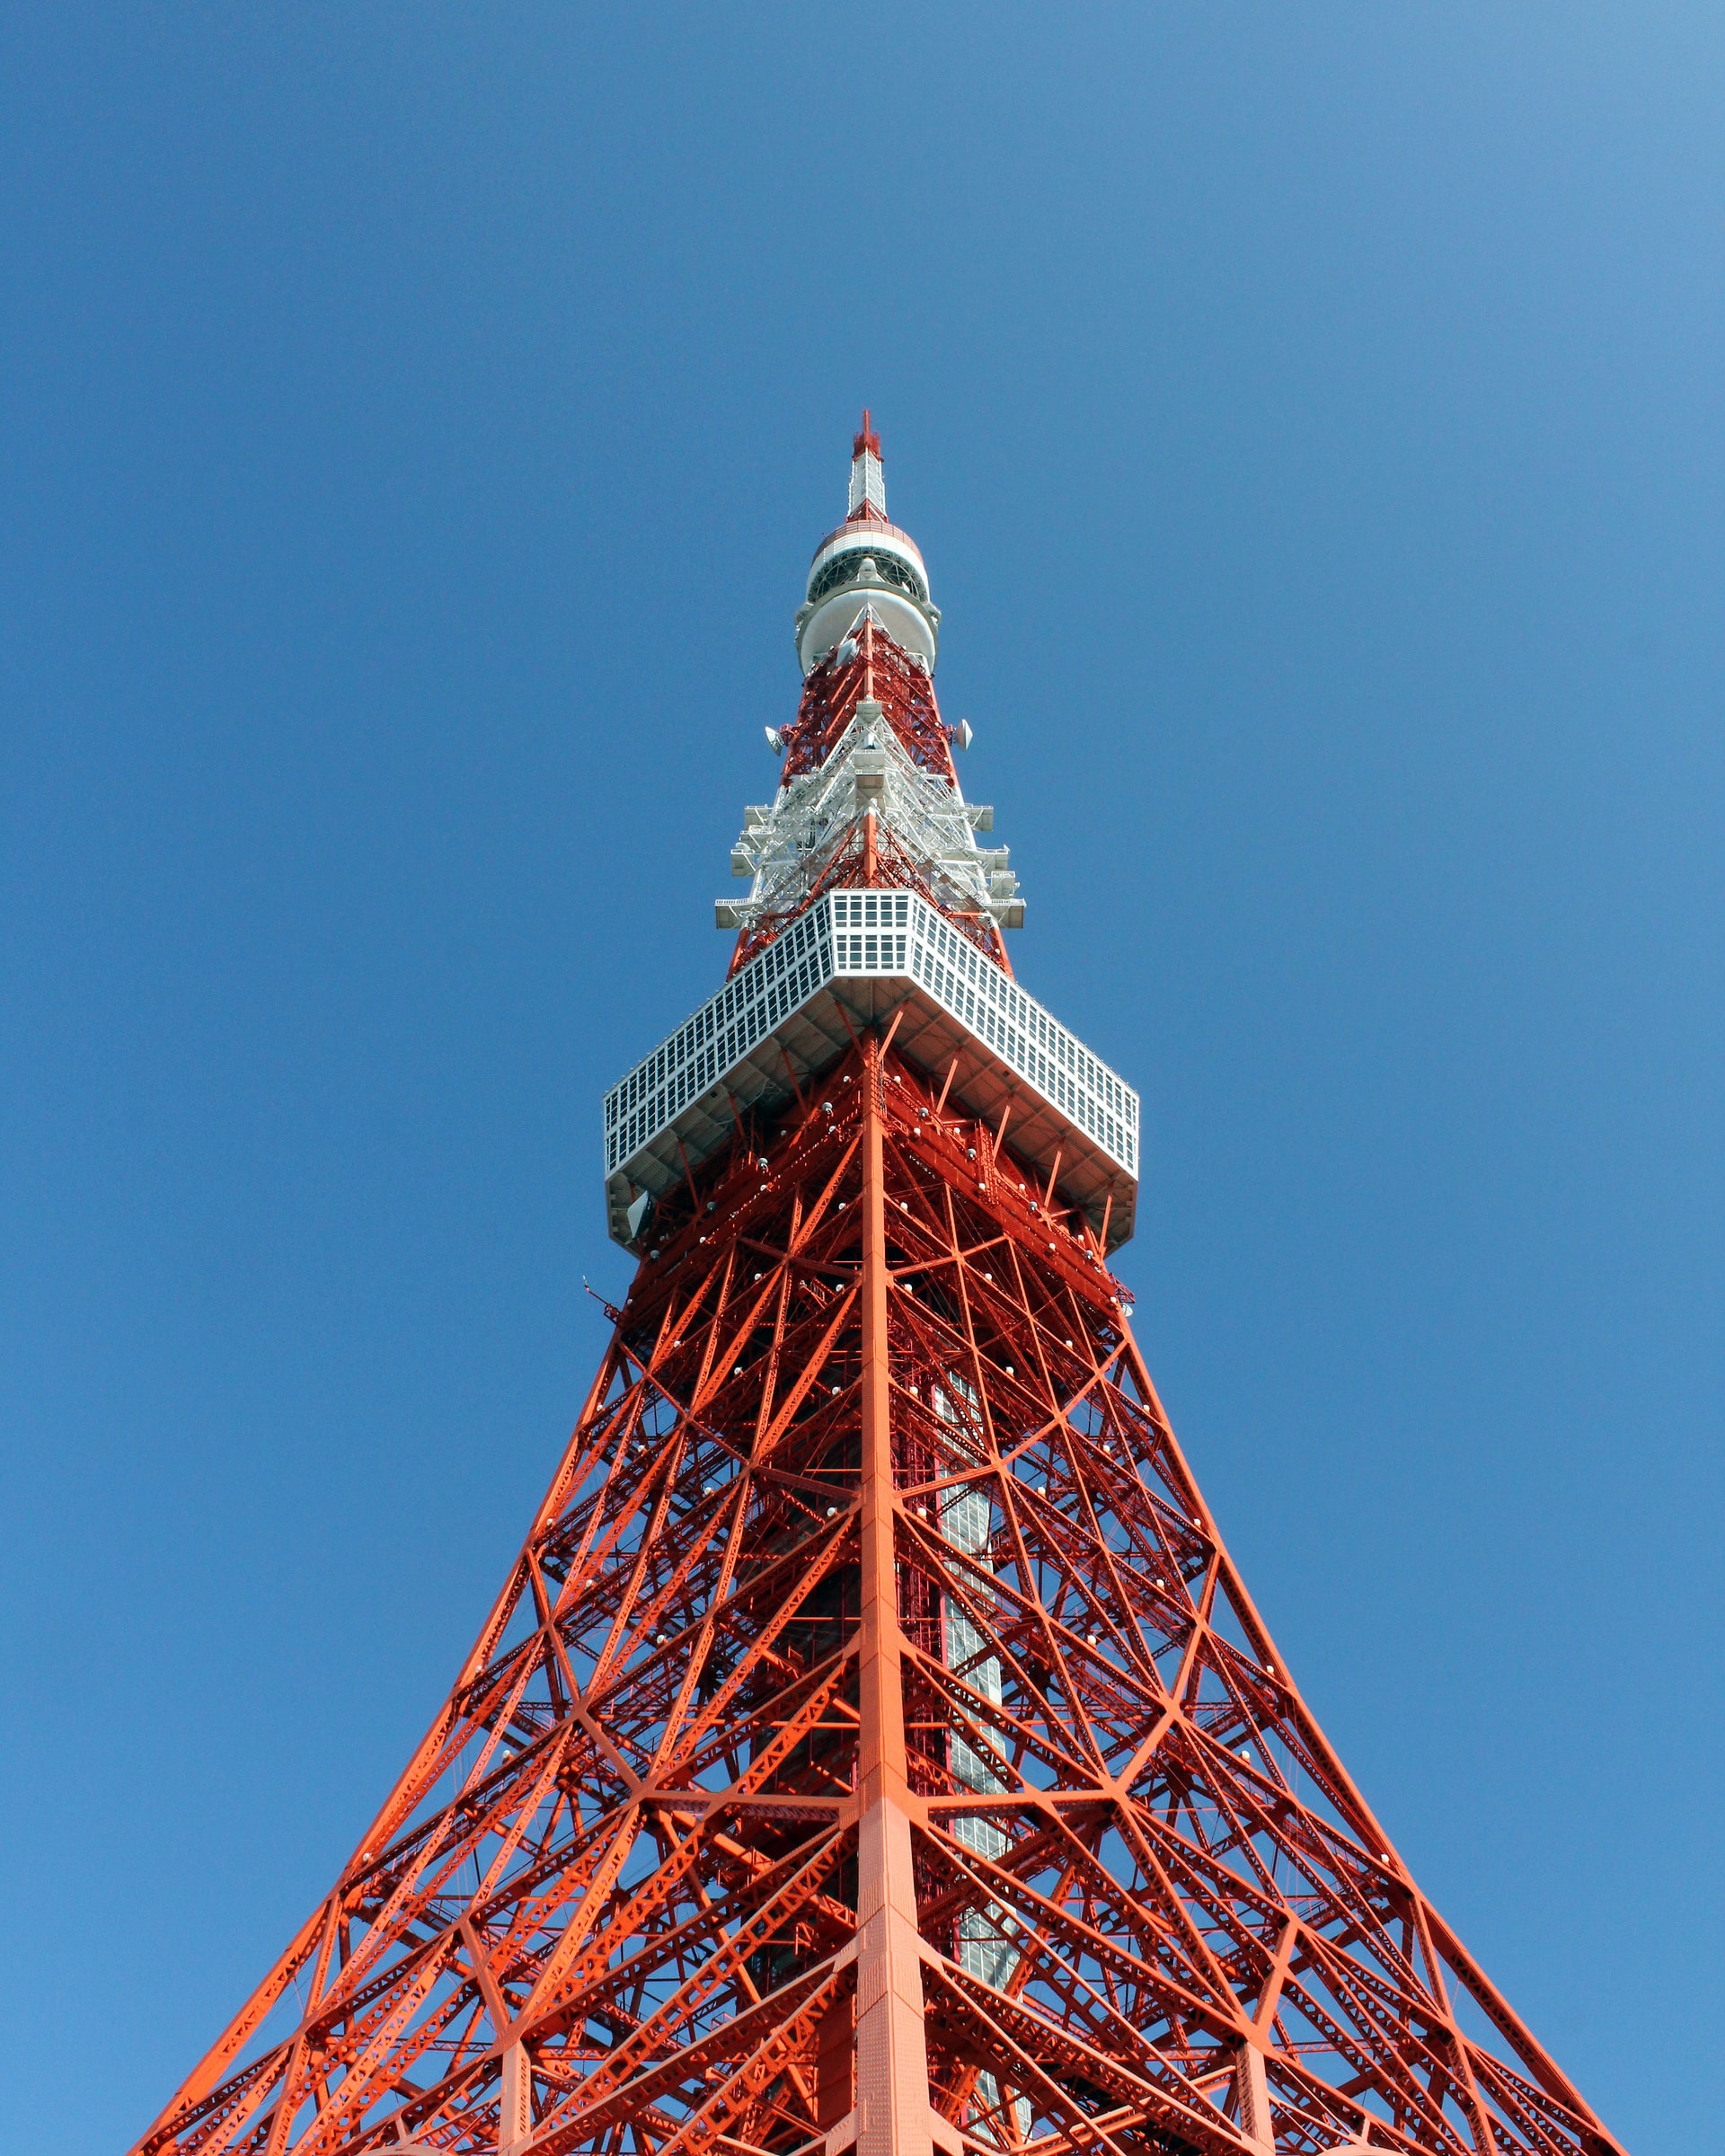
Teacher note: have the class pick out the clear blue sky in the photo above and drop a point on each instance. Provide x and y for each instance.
(414, 425)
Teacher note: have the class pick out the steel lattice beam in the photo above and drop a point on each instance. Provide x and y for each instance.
(872, 1706)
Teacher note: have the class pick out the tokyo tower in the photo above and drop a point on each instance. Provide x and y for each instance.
(873, 1744)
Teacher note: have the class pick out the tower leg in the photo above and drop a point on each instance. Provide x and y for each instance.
(893, 2109)
(1252, 2089)
(515, 2111)
(892, 2056)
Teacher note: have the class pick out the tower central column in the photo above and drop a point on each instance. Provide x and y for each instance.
(893, 2109)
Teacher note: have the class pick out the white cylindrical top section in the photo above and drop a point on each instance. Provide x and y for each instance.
(872, 564)
(867, 562)
(904, 622)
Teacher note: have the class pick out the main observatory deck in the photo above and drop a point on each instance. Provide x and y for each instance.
(852, 959)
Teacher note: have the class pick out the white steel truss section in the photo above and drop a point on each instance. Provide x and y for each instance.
(787, 847)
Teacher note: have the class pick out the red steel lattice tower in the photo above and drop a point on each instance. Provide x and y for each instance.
(873, 1744)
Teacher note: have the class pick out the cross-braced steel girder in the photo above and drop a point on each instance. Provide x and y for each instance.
(874, 1744)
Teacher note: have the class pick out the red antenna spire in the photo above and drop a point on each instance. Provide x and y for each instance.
(866, 439)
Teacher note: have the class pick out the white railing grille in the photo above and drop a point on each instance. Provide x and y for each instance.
(721, 1032)
(883, 933)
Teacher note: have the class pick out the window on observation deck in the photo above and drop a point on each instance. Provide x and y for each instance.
(845, 567)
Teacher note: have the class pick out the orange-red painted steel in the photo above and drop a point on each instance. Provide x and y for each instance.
(874, 1744)
(878, 670)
